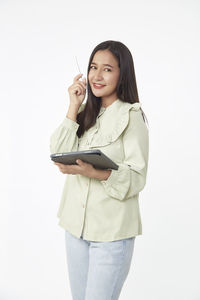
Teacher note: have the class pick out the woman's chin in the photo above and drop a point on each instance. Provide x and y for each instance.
(98, 93)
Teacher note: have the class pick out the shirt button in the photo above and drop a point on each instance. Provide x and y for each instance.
(83, 205)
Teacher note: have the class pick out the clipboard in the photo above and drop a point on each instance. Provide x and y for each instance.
(95, 157)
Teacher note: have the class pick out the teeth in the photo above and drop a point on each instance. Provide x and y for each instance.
(98, 84)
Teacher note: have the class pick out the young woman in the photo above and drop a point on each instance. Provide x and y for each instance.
(99, 209)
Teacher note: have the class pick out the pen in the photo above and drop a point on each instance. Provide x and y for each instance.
(78, 65)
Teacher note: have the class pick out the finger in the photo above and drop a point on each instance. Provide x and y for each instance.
(80, 89)
(85, 81)
(77, 77)
(79, 161)
(83, 84)
(60, 166)
(74, 169)
(83, 88)
(77, 90)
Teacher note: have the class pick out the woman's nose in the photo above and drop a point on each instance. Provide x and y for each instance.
(98, 75)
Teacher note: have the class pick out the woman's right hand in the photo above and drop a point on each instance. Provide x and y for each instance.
(77, 91)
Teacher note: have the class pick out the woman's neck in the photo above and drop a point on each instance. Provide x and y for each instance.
(105, 103)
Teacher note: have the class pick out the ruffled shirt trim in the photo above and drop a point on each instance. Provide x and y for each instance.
(103, 139)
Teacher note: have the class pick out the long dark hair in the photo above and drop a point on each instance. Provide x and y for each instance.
(126, 88)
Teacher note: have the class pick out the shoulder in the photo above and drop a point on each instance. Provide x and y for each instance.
(132, 121)
(131, 112)
(126, 116)
(134, 113)
(126, 107)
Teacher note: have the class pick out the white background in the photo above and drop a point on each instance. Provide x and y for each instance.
(38, 42)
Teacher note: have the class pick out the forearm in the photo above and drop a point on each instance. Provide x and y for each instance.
(72, 112)
(101, 174)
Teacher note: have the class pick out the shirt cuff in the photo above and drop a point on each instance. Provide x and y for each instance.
(118, 183)
(70, 124)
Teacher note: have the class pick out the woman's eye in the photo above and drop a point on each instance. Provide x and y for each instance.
(105, 68)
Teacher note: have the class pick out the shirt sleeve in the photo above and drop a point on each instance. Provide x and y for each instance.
(64, 138)
(130, 178)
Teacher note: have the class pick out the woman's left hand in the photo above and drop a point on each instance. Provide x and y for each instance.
(82, 168)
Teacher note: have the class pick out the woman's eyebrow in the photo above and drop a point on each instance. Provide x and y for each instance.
(103, 64)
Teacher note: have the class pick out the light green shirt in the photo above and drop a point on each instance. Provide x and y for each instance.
(105, 210)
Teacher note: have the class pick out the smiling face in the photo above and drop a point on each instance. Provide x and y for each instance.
(104, 71)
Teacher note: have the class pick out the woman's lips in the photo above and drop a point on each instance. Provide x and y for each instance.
(98, 86)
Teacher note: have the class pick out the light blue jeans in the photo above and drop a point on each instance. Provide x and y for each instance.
(97, 270)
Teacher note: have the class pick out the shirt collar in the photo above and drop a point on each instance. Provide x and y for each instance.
(120, 106)
(108, 108)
